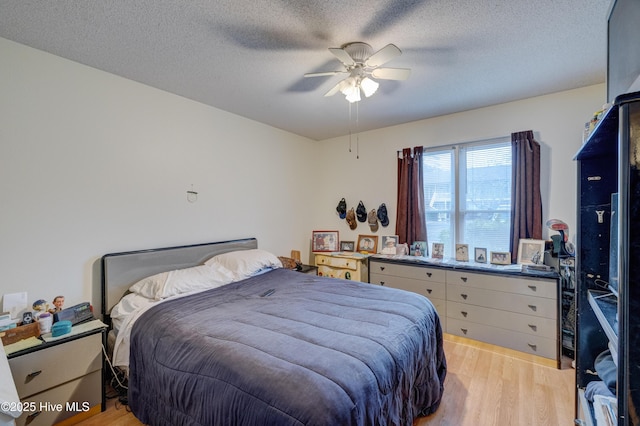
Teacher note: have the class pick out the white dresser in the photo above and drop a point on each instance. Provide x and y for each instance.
(519, 311)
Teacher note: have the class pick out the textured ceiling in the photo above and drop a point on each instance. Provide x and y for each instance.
(248, 57)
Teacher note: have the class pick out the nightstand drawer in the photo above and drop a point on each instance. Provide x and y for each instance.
(64, 401)
(44, 369)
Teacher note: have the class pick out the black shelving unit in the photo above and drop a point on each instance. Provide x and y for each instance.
(608, 316)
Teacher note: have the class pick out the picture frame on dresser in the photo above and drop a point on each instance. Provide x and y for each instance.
(437, 250)
(530, 251)
(500, 258)
(347, 245)
(419, 248)
(480, 255)
(462, 252)
(368, 243)
(324, 241)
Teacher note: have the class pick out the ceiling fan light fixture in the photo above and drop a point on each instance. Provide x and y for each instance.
(369, 86)
(354, 95)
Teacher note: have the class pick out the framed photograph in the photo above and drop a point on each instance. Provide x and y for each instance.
(480, 255)
(501, 258)
(462, 252)
(530, 252)
(368, 243)
(389, 244)
(418, 248)
(347, 246)
(437, 250)
(324, 241)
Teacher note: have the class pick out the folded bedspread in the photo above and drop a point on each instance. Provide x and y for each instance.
(317, 351)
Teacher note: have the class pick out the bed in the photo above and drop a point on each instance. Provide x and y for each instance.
(265, 345)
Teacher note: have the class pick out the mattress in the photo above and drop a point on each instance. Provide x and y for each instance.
(285, 348)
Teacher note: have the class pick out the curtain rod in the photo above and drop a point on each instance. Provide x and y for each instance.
(453, 145)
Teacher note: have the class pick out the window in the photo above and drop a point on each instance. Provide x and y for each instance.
(467, 193)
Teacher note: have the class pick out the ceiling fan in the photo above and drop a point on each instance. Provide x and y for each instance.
(362, 64)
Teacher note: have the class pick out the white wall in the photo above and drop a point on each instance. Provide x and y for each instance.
(557, 121)
(91, 163)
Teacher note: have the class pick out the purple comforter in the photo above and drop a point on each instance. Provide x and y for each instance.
(317, 351)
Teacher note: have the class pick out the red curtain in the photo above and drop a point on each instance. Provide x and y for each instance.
(526, 211)
(411, 222)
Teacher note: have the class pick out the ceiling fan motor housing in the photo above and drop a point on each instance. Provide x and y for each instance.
(359, 51)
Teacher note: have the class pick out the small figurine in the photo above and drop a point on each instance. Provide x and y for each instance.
(58, 302)
(40, 306)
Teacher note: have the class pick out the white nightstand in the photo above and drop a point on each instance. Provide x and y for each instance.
(60, 380)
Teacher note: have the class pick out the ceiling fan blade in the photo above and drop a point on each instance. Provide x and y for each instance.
(335, 89)
(383, 55)
(324, 73)
(342, 56)
(391, 73)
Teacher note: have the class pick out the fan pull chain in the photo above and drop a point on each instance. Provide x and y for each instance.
(357, 130)
(349, 126)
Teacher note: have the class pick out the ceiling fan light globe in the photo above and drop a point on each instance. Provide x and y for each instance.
(369, 86)
(354, 96)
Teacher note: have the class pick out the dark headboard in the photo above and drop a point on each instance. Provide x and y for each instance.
(121, 270)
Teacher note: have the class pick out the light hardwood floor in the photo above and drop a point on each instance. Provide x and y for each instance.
(483, 387)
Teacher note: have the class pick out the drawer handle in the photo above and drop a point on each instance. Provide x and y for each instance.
(33, 375)
(464, 314)
(464, 279)
(429, 274)
(533, 327)
(32, 416)
(381, 282)
(533, 347)
(382, 268)
(464, 296)
(534, 308)
(533, 288)
(429, 290)
(464, 330)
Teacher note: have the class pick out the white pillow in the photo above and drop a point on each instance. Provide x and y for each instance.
(179, 281)
(245, 263)
(150, 287)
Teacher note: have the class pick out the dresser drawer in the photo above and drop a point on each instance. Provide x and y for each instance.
(337, 262)
(535, 345)
(43, 369)
(520, 285)
(520, 303)
(77, 396)
(527, 324)
(345, 274)
(415, 272)
(426, 288)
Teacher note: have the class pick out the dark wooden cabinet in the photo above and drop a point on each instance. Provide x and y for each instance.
(608, 260)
